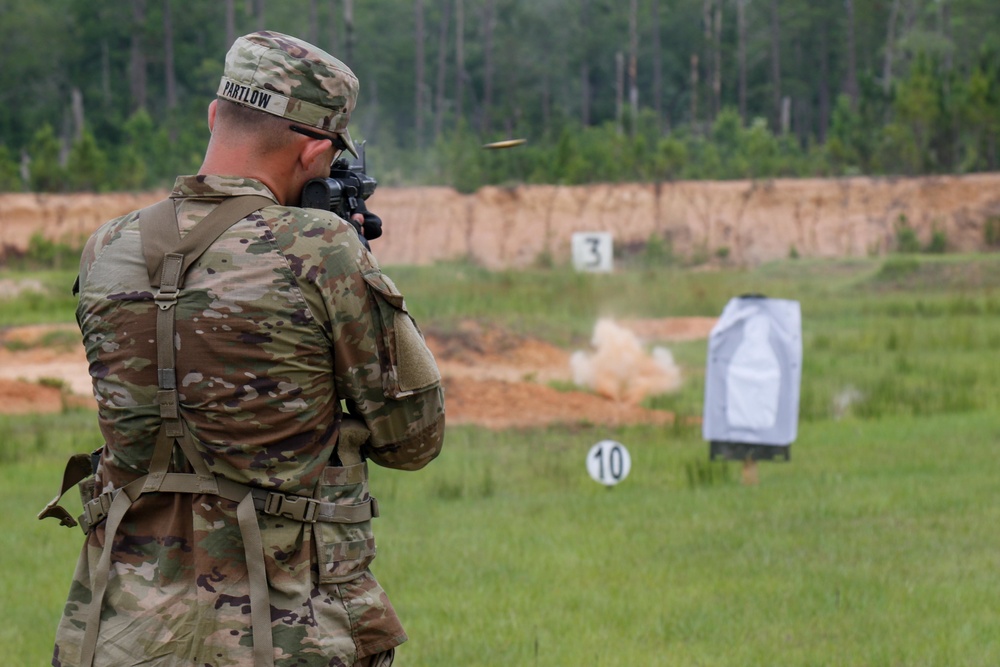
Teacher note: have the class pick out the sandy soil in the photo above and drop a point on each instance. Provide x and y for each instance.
(753, 221)
(493, 378)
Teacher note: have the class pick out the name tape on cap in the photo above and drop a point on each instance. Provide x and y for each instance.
(265, 100)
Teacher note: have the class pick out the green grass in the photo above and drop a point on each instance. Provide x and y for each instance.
(875, 545)
(55, 303)
(872, 547)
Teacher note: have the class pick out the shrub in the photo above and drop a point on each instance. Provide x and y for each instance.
(10, 178)
(896, 268)
(906, 236)
(658, 251)
(87, 166)
(46, 173)
(44, 253)
(991, 231)
(938, 243)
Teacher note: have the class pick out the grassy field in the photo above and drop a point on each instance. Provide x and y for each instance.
(875, 545)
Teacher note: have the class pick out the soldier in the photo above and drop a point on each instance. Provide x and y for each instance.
(231, 520)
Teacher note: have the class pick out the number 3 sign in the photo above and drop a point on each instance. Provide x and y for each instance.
(592, 251)
(608, 462)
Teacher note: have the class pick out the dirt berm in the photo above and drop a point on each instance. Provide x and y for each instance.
(747, 221)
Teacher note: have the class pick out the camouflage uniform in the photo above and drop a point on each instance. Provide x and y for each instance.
(282, 319)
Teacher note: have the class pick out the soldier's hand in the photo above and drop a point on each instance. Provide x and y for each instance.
(371, 224)
(357, 221)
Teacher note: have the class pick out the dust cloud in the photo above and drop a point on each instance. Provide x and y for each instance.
(621, 369)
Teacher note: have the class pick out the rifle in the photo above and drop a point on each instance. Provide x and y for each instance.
(344, 193)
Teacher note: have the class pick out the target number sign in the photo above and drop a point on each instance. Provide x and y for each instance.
(593, 251)
(608, 462)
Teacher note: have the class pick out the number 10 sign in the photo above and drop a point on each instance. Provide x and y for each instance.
(592, 251)
(608, 462)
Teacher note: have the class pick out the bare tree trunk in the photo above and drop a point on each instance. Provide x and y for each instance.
(585, 65)
(488, 18)
(798, 108)
(546, 104)
(944, 25)
(824, 83)
(106, 72)
(851, 83)
(168, 56)
(944, 28)
(442, 70)
(619, 89)
(717, 78)
(76, 103)
(694, 92)
(890, 47)
(706, 24)
(137, 56)
(230, 23)
(776, 65)
(372, 104)
(459, 59)
(658, 67)
(259, 13)
(418, 98)
(633, 58)
(349, 31)
(741, 48)
(313, 33)
(333, 43)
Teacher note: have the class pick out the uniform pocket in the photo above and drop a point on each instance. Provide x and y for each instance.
(407, 364)
(344, 550)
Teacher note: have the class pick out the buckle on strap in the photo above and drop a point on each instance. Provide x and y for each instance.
(96, 510)
(296, 508)
(165, 299)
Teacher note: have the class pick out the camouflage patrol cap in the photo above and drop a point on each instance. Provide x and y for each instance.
(293, 79)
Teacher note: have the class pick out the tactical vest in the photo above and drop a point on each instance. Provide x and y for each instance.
(168, 258)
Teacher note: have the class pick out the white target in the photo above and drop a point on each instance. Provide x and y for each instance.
(593, 251)
(608, 462)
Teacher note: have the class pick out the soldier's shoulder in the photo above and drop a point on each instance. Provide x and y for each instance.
(112, 229)
(311, 221)
(314, 232)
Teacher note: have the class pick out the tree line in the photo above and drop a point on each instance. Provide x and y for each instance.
(112, 95)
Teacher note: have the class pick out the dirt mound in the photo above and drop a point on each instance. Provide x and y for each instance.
(746, 221)
(492, 377)
(481, 353)
(497, 379)
(671, 329)
(500, 404)
(18, 398)
(49, 355)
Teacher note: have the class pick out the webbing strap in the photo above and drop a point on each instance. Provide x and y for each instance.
(253, 545)
(99, 585)
(260, 596)
(78, 468)
(274, 503)
(167, 260)
(158, 229)
(159, 238)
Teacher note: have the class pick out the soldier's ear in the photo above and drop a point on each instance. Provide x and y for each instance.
(312, 150)
(211, 114)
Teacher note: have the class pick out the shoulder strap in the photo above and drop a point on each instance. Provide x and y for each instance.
(168, 257)
(160, 236)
